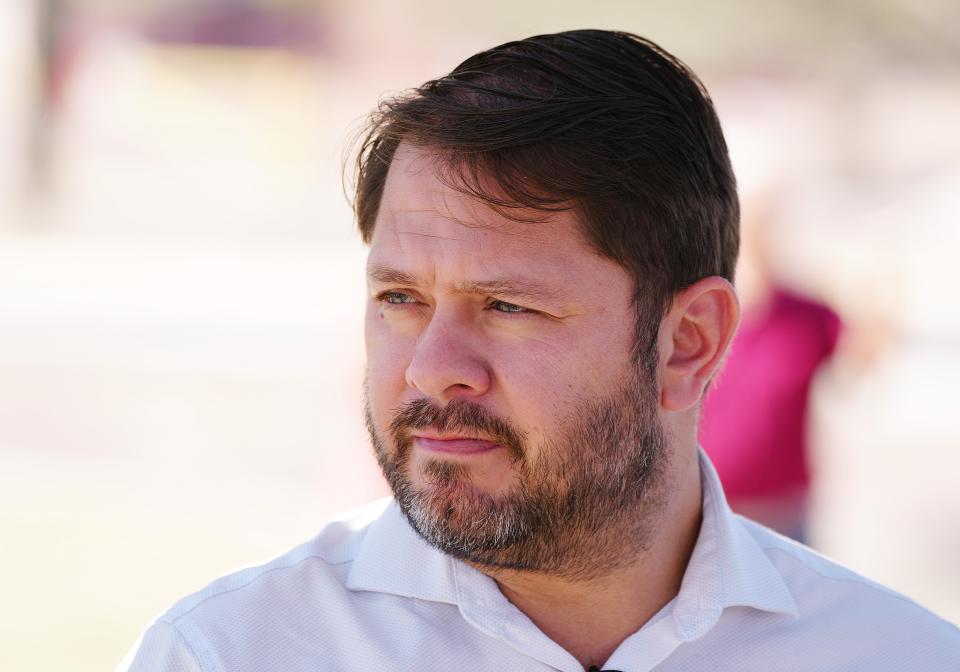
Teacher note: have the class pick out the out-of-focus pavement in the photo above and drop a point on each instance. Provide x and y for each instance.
(181, 346)
(167, 416)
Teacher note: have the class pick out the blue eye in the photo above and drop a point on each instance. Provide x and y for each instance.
(504, 307)
(396, 298)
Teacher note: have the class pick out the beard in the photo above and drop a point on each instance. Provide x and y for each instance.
(584, 506)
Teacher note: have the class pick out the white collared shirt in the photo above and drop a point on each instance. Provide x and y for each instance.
(369, 594)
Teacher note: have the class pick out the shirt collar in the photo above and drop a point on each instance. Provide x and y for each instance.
(727, 568)
(394, 559)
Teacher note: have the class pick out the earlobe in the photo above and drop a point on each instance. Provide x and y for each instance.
(696, 333)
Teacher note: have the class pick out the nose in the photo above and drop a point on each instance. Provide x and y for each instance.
(447, 363)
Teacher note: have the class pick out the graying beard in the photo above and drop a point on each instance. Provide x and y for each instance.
(544, 528)
(490, 527)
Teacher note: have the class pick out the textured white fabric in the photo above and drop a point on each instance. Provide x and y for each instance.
(369, 594)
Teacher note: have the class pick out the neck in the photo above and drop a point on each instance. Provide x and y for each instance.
(591, 618)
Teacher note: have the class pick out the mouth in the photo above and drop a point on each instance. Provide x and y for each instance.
(452, 444)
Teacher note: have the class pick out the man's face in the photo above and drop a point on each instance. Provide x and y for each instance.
(502, 400)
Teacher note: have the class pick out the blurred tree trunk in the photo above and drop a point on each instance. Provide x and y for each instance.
(46, 97)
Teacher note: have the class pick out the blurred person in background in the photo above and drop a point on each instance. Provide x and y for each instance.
(552, 233)
(754, 422)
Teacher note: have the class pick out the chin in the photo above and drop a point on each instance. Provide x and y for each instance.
(439, 477)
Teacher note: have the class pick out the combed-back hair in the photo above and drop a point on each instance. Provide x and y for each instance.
(602, 123)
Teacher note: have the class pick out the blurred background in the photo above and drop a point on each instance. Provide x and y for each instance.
(181, 285)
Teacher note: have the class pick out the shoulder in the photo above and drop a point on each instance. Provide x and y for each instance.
(810, 315)
(248, 618)
(321, 562)
(863, 617)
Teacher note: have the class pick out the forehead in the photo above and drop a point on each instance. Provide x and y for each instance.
(421, 218)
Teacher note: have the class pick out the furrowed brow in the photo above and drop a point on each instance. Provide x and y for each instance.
(515, 288)
(511, 288)
(390, 276)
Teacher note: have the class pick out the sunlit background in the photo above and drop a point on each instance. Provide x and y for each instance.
(181, 284)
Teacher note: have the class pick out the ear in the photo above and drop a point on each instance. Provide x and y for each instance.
(693, 338)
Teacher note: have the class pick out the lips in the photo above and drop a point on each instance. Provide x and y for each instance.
(453, 444)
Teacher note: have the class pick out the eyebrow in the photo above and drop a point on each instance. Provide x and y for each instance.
(511, 287)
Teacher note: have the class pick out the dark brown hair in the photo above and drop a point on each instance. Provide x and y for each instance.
(606, 124)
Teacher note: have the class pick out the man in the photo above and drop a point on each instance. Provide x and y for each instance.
(552, 231)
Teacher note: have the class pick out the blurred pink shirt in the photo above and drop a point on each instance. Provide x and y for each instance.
(754, 419)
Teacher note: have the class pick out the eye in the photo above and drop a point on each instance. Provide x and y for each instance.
(504, 307)
(395, 298)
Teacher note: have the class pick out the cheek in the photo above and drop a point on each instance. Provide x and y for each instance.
(546, 384)
(535, 383)
(387, 361)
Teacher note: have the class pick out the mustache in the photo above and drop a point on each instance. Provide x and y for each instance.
(457, 415)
